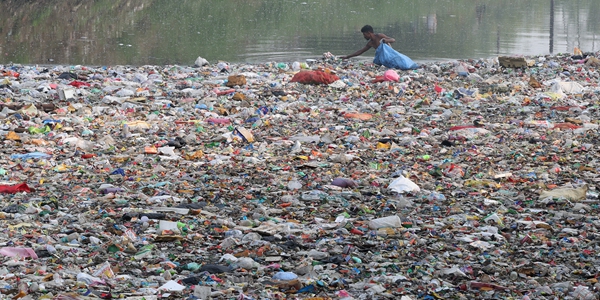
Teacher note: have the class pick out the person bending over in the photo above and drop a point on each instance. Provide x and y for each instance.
(385, 55)
(374, 40)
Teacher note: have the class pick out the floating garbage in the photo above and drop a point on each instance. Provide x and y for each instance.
(324, 179)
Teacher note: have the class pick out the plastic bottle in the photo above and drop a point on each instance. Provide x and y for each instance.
(50, 249)
(296, 66)
(234, 233)
(436, 197)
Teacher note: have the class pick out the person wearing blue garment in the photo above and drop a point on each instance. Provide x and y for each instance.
(384, 54)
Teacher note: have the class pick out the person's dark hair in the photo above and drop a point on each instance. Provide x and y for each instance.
(367, 28)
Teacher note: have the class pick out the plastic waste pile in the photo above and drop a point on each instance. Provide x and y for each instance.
(457, 180)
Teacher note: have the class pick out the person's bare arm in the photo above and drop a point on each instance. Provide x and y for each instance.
(386, 39)
(357, 53)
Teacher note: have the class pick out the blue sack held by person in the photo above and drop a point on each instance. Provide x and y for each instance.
(387, 56)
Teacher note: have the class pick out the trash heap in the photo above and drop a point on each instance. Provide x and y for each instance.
(325, 179)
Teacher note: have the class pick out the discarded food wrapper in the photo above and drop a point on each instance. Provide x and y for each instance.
(244, 133)
(104, 271)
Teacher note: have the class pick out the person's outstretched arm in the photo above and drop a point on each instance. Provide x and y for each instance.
(357, 53)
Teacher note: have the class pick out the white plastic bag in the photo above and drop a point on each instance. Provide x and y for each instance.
(403, 184)
(386, 222)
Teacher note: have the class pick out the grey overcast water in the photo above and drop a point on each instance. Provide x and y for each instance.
(140, 32)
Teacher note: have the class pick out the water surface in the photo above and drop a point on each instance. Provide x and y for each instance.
(139, 32)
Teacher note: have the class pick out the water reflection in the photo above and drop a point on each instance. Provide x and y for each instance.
(552, 12)
(432, 23)
(176, 32)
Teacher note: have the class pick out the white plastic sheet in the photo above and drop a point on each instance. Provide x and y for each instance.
(403, 184)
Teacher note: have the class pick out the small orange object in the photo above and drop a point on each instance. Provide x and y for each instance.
(566, 126)
(244, 253)
(21, 294)
(38, 142)
(286, 204)
(12, 136)
(356, 231)
(150, 150)
(360, 116)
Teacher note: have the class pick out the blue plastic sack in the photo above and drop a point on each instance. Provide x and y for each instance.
(31, 155)
(387, 56)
